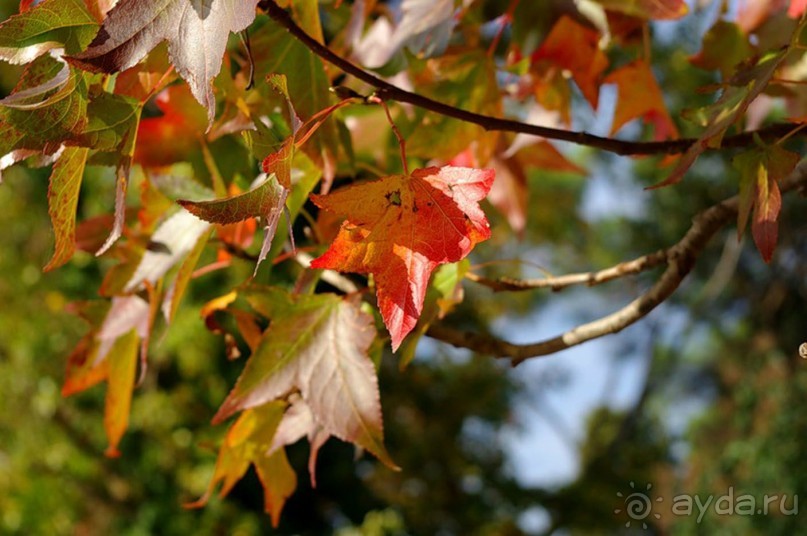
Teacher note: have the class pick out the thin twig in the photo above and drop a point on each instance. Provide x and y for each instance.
(681, 259)
(635, 266)
(387, 91)
(401, 141)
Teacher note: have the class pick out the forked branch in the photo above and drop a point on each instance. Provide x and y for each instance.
(387, 91)
(680, 259)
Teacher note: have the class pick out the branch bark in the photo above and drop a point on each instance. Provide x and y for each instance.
(387, 91)
(634, 266)
(680, 259)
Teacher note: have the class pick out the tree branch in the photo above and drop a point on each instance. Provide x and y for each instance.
(680, 260)
(635, 266)
(387, 91)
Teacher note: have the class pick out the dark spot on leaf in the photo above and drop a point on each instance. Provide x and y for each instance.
(394, 198)
(158, 247)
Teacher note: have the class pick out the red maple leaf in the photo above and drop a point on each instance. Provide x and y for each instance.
(401, 227)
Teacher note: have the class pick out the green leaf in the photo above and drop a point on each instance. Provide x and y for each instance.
(724, 47)
(467, 81)
(308, 83)
(50, 24)
(112, 124)
(319, 348)
(728, 110)
(261, 201)
(265, 201)
(63, 192)
(59, 116)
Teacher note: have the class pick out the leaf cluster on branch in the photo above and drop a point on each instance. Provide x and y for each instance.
(227, 140)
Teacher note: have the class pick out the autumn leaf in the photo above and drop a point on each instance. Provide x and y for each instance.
(761, 170)
(196, 32)
(265, 201)
(63, 191)
(573, 47)
(728, 110)
(48, 25)
(639, 96)
(400, 228)
(248, 443)
(43, 120)
(444, 293)
(109, 352)
(170, 244)
(316, 344)
(725, 46)
(176, 134)
(298, 422)
(797, 8)
(122, 366)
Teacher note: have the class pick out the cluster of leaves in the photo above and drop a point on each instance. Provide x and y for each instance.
(218, 138)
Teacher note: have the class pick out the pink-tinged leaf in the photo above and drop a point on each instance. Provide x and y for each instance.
(797, 8)
(727, 111)
(759, 167)
(639, 97)
(175, 238)
(122, 361)
(400, 228)
(196, 32)
(48, 25)
(444, 293)
(63, 191)
(319, 347)
(120, 209)
(125, 314)
(765, 227)
(177, 289)
(247, 442)
(299, 422)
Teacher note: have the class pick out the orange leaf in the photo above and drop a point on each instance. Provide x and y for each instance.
(573, 47)
(83, 370)
(400, 228)
(173, 136)
(247, 442)
(640, 97)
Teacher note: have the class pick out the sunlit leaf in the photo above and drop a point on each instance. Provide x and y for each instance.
(400, 228)
(319, 347)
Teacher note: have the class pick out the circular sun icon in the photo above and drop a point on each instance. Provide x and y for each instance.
(638, 505)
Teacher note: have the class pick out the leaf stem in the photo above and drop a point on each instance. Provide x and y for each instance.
(401, 141)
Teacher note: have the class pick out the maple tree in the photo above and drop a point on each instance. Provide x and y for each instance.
(227, 139)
